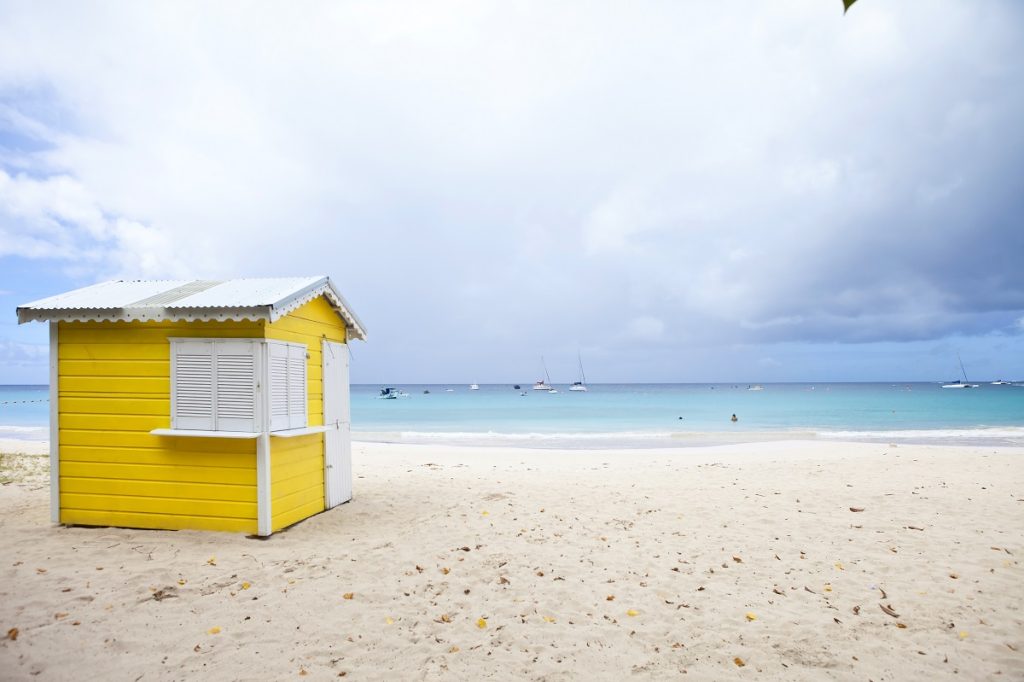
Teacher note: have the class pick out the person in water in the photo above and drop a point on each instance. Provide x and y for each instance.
(734, 418)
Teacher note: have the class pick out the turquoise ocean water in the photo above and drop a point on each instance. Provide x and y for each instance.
(25, 412)
(650, 415)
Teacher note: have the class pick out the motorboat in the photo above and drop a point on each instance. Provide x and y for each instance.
(391, 393)
(1000, 382)
(755, 387)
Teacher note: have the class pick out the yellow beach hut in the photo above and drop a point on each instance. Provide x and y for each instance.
(218, 405)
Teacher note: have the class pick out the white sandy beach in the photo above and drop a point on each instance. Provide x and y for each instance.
(510, 563)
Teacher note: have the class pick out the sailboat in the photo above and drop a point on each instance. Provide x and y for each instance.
(544, 384)
(580, 385)
(958, 383)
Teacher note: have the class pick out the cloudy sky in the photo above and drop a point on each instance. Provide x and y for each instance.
(681, 191)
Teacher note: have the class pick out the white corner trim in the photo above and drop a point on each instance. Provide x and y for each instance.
(54, 427)
(264, 493)
(263, 513)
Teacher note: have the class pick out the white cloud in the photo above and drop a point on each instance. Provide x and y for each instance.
(57, 217)
(45, 217)
(17, 354)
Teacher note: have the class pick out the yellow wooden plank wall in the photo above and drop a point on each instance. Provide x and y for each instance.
(114, 386)
(297, 479)
(297, 464)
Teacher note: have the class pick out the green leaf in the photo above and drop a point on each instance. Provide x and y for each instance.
(847, 4)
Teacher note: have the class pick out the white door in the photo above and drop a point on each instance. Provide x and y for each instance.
(338, 439)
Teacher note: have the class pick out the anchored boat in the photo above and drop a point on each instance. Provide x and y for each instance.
(545, 383)
(580, 385)
(958, 383)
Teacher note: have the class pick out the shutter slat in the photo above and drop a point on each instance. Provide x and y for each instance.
(193, 385)
(278, 377)
(236, 387)
(287, 376)
(297, 387)
(279, 385)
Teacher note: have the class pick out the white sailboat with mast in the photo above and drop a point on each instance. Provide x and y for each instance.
(545, 383)
(958, 383)
(580, 385)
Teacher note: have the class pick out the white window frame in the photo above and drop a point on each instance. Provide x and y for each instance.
(295, 417)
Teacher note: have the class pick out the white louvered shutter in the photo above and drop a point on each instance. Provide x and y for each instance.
(296, 386)
(235, 394)
(192, 382)
(278, 359)
(288, 385)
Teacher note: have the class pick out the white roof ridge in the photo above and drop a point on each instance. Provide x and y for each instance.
(171, 295)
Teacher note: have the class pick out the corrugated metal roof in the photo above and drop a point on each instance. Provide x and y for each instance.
(105, 295)
(248, 292)
(257, 298)
(176, 294)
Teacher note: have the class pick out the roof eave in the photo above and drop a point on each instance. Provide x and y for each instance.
(356, 325)
(28, 314)
(152, 314)
(320, 287)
